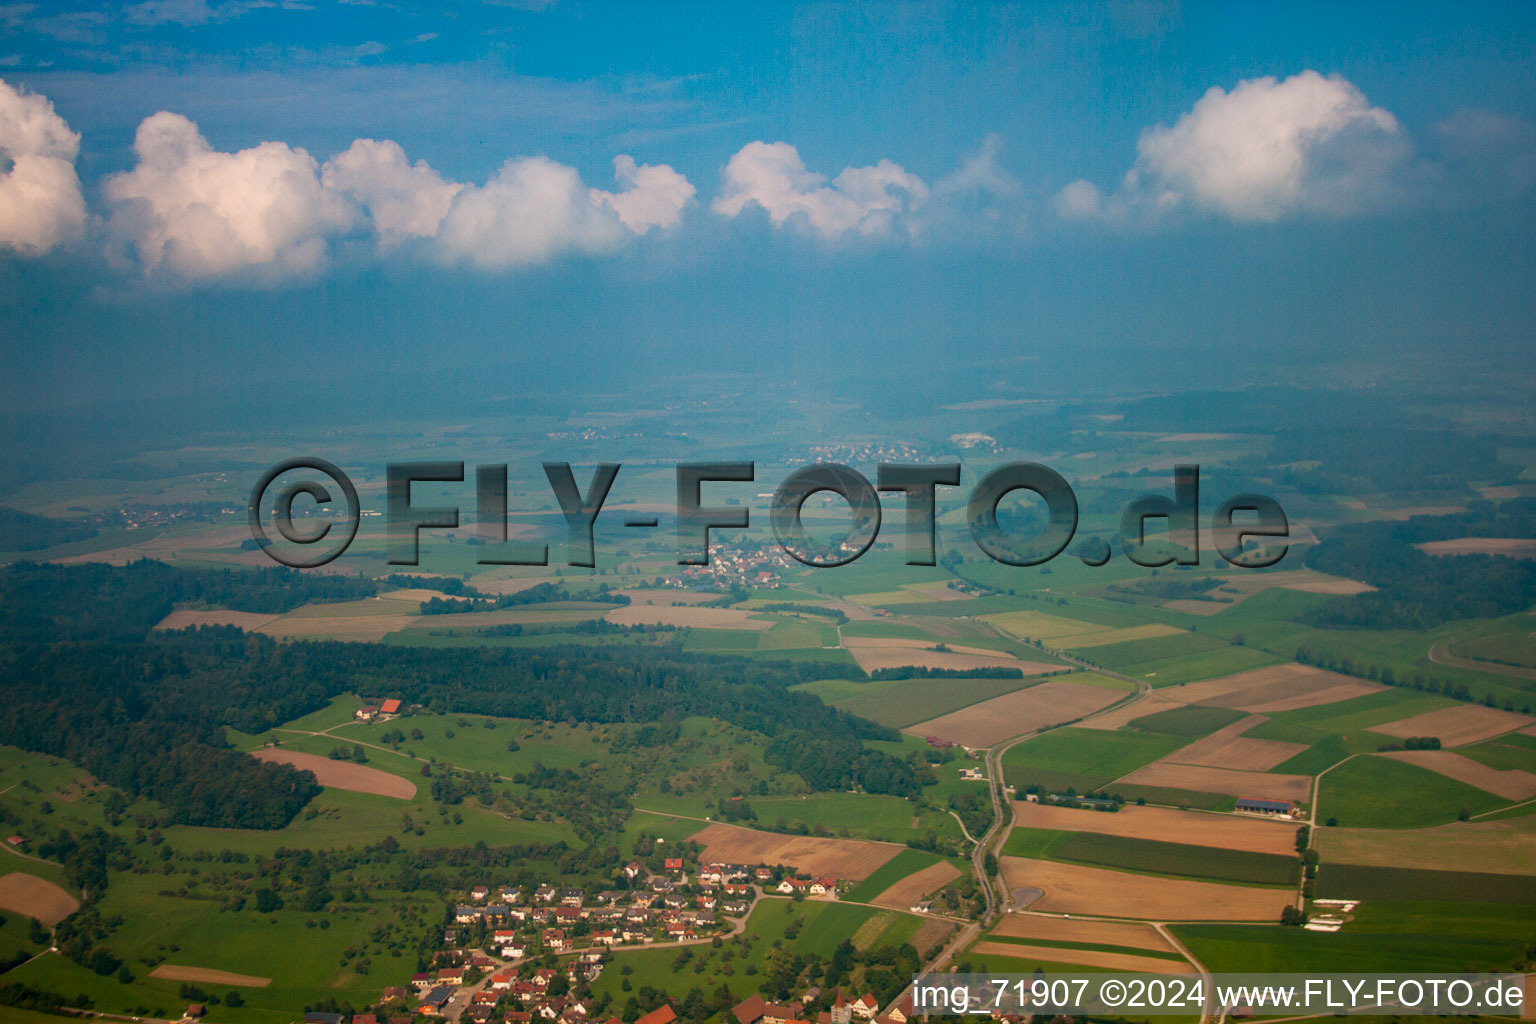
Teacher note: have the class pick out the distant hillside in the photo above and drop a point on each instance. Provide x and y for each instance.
(22, 531)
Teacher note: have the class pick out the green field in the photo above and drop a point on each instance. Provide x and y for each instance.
(1082, 759)
(903, 702)
(1384, 937)
(1134, 652)
(1158, 858)
(1154, 858)
(1379, 792)
(1353, 881)
(1190, 722)
(1210, 664)
(892, 871)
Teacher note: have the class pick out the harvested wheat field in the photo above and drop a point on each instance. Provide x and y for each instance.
(1498, 847)
(176, 972)
(367, 628)
(850, 859)
(684, 617)
(1078, 889)
(1511, 784)
(1167, 825)
(1013, 714)
(1457, 726)
(1511, 547)
(1331, 585)
(1260, 785)
(874, 653)
(1085, 957)
(36, 898)
(917, 885)
(1228, 748)
(1275, 688)
(1103, 933)
(1151, 704)
(248, 621)
(416, 595)
(359, 778)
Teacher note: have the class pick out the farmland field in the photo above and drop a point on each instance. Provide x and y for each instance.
(1166, 824)
(905, 863)
(35, 897)
(1159, 858)
(1376, 792)
(850, 859)
(1050, 703)
(342, 774)
(1354, 881)
(1501, 847)
(1076, 889)
(903, 702)
(1082, 759)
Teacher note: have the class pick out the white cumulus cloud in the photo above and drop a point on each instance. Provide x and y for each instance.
(1269, 149)
(530, 211)
(200, 213)
(653, 196)
(40, 201)
(404, 200)
(864, 200)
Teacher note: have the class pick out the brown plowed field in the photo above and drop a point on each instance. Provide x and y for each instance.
(342, 774)
(1060, 929)
(1259, 785)
(1511, 784)
(1228, 748)
(248, 621)
(1085, 957)
(36, 897)
(1013, 714)
(208, 975)
(1167, 825)
(917, 885)
(1078, 889)
(1457, 726)
(850, 859)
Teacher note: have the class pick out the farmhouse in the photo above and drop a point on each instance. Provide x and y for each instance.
(390, 707)
(1281, 808)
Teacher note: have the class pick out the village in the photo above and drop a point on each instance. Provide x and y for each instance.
(529, 955)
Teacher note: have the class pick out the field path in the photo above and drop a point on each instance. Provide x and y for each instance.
(1440, 653)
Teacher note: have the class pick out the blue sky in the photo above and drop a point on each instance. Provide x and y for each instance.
(797, 188)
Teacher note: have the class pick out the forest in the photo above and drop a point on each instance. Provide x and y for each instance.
(145, 711)
(1420, 591)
